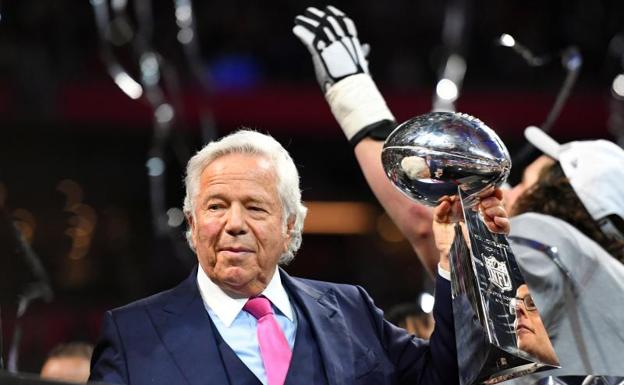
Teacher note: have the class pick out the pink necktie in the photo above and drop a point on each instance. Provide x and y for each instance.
(274, 348)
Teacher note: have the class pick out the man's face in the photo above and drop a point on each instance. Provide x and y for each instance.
(238, 228)
(530, 331)
(529, 178)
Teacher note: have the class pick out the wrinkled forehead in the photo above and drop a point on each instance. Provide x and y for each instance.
(249, 161)
(240, 174)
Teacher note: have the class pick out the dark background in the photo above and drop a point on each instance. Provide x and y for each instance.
(74, 146)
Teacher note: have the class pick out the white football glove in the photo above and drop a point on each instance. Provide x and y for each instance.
(342, 72)
(332, 40)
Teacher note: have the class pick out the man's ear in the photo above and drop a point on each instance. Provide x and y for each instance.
(191, 227)
(290, 226)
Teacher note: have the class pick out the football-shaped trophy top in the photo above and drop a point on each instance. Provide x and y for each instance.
(431, 155)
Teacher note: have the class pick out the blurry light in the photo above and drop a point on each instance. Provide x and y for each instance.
(447, 90)
(388, 230)
(185, 35)
(128, 85)
(155, 166)
(183, 14)
(118, 5)
(149, 68)
(339, 218)
(426, 301)
(176, 217)
(572, 59)
(164, 113)
(96, 2)
(618, 86)
(507, 40)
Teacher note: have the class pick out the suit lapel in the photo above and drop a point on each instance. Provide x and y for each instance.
(329, 327)
(184, 327)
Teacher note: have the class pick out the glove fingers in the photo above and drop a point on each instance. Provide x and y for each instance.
(334, 11)
(315, 35)
(306, 22)
(305, 35)
(335, 25)
(350, 26)
(314, 13)
(346, 24)
(329, 34)
(366, 49)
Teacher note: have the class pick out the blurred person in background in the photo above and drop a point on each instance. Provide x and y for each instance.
(68, 362)
(411, 317)
(568, 229)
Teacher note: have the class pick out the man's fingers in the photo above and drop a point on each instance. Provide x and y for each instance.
(441, 211)
(496, 211)
(503, 224)
(498, 225)
(490, 202)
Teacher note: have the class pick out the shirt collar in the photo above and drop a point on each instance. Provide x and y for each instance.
(227, 308)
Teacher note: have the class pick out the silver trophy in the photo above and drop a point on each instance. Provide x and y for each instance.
(442, 154)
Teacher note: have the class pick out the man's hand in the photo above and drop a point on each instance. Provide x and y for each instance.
(445, 215)
(494, 213)
(332, 40)
(342, 72)
(449, 211)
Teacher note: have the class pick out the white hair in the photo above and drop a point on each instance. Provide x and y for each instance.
(250, 142)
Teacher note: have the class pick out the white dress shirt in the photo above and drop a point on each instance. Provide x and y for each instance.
(238, 328)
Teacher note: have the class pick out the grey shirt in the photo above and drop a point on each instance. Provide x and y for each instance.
(580, 298)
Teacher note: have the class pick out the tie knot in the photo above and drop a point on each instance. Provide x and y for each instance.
(258, 307)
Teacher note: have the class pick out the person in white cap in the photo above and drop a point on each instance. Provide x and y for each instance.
(572, 263)
(568, 238)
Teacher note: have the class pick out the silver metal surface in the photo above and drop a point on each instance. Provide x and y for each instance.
(443, 154)
(431, 155)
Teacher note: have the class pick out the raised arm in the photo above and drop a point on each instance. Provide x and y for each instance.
(342, 72)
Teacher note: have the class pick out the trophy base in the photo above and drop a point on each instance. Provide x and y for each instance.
(502, 366)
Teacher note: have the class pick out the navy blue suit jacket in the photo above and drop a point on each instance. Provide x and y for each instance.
(167, 339)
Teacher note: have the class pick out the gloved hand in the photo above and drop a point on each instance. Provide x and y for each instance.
(342, 72)
(332, 40)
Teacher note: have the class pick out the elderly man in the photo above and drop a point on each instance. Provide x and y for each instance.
(240, 319)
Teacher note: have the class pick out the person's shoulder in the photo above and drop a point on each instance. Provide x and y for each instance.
(325, 285)
(554, 232)
(537, 218)
(155, 300)
(543, 227)
(343, 289)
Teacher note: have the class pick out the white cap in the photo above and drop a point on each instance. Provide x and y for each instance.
(595, 169)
